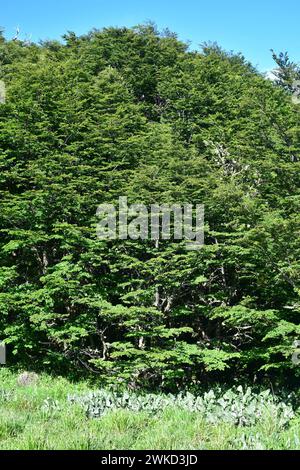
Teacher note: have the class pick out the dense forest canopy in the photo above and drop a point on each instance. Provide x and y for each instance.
(134, 112)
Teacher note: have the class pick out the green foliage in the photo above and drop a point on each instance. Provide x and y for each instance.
(218, 419)
(131, 112)
(235, 406)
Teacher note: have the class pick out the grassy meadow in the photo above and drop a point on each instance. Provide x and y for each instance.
(40, 416)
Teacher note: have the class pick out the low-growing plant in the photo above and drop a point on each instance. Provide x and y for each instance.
(236, 406)
(27, 378)
(5, 395)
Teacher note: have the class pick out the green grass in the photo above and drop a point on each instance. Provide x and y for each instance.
(27, 424)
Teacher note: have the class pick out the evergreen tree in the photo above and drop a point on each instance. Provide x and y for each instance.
(131, 112)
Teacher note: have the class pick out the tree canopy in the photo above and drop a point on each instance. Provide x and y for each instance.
(134, 112)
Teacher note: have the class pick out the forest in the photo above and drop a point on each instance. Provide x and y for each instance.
(135, 112)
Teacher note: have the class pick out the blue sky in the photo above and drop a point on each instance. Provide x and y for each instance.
(252, 27)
